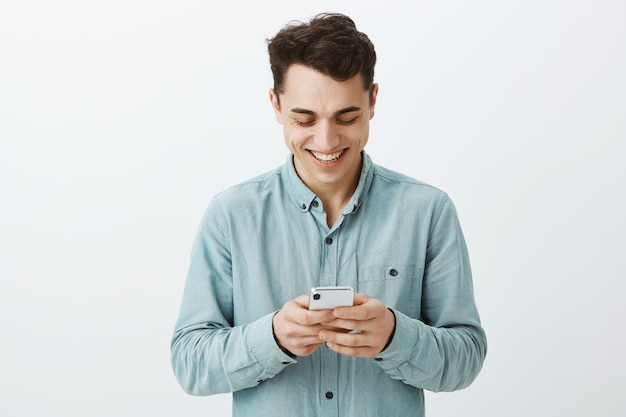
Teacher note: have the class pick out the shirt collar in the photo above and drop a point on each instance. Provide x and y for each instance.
(303, 197)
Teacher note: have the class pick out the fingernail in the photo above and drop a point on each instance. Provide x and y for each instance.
(322, 335)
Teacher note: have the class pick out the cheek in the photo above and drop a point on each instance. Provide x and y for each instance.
(362, 134)
(294, 137)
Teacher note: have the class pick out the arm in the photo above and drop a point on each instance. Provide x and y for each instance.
(209, 353)
(445, 349)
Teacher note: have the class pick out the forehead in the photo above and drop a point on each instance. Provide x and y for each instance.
(307, 88)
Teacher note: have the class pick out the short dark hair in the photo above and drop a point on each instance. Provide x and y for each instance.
(330, 43)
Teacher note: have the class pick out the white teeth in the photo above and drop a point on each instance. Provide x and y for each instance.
(327, 157)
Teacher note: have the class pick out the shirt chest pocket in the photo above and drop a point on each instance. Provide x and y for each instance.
(398, 286)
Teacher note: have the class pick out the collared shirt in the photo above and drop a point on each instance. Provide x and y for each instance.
(266, 241)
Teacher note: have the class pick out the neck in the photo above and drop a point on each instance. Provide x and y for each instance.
(334, 197)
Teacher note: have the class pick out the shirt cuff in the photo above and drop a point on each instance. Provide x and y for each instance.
(262, 345)
(403, 344)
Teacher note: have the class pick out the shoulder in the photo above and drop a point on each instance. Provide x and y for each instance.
(393, 182)
(411, 196)
(249, 192)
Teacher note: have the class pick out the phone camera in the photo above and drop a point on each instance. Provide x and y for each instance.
(316, 296)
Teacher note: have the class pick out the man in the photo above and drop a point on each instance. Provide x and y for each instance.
(328, 217)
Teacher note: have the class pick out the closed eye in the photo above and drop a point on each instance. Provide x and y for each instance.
(306, 123)
(347, 122)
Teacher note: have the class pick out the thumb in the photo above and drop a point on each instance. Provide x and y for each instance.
(360, 298)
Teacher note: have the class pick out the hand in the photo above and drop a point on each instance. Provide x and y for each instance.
(369, 315)
(296, 329)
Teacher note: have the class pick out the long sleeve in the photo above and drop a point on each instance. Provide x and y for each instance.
(209, 353)
(443, 350)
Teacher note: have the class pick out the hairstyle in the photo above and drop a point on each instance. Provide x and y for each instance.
(329, 43)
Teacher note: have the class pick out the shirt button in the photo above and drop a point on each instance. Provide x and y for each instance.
(378, 359)
(329, 240)
(393, 272)
(303, 207)
(329, 395)
(315, 203)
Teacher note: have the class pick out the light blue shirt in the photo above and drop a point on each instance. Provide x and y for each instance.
(265, 242)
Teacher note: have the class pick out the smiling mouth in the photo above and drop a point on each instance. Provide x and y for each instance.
(327, 158)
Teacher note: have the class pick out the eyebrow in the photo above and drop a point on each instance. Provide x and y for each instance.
(350, 109)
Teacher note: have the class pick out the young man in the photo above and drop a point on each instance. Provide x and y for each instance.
(328, 217)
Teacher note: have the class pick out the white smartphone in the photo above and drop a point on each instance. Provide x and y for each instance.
(325, 298)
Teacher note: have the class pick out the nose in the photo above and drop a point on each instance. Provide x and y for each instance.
(326, 136)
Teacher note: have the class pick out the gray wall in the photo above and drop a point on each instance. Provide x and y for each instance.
(119, 121)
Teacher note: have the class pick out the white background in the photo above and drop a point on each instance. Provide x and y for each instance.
(119, 120)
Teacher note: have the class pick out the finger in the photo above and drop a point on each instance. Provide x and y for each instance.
(337, 329)
(304, 347)
(359, 351)
(315, 318)
(344, 339)
(345, 324)
(306, 342)
(359, 312)
(360, 298)
(302, 300)
(365, 333)
(304, 316)
(358, 345)
(301, 315)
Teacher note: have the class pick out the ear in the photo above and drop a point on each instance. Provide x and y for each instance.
(373, 99)
(276, 105)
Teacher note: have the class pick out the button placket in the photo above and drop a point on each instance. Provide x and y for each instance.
(329, 276)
